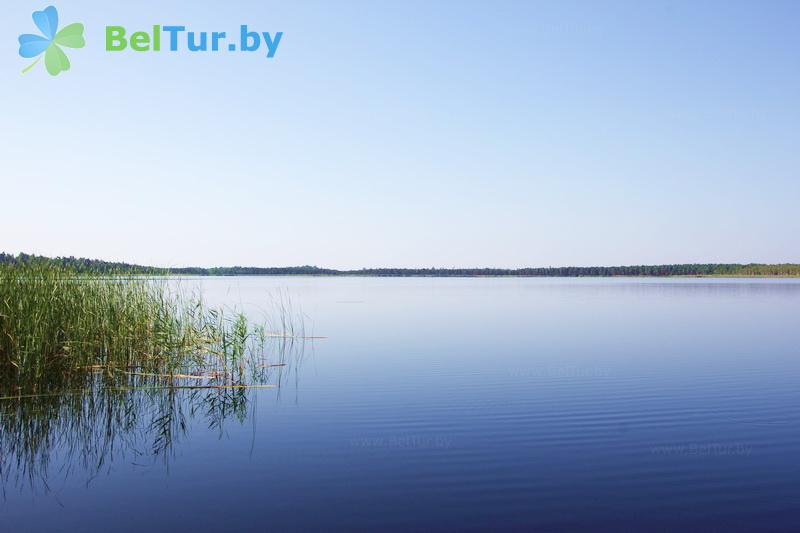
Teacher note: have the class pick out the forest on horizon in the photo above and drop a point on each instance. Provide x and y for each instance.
(694, 269)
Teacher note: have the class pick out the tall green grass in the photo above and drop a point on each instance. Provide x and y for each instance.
(56, 324)
(93, 363)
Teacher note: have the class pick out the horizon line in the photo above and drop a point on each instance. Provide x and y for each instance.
(314, 269)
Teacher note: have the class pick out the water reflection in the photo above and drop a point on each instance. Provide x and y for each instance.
(84, 424)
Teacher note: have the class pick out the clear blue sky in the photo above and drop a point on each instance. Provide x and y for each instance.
(413, 133)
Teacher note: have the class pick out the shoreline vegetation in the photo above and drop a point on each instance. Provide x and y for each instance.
(82, 265)
(102, 363)
(61, 327)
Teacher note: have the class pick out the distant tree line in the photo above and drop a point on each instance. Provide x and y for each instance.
(80, 264)
(708, 269)
(701, 269)
(255, 271)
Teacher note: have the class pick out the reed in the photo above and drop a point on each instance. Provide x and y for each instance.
(97, 417)
(57, 324)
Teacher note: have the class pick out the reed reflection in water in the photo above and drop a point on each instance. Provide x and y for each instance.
(107, 415)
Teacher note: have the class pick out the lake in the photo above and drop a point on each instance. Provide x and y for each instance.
(456, 405)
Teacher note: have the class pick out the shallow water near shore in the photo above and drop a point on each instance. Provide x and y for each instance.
(456, 404)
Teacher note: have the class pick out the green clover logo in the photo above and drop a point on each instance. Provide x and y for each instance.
(55, 60)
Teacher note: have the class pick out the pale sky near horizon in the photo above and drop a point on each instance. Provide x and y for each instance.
(411, 134)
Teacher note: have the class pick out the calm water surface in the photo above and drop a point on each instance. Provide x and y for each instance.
(461, 404)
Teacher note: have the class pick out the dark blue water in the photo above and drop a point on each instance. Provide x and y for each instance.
(465, 404)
